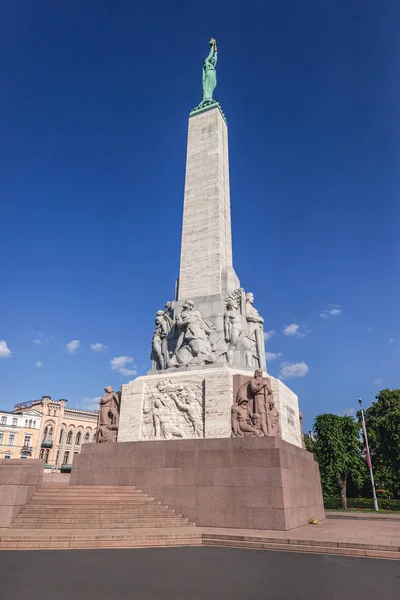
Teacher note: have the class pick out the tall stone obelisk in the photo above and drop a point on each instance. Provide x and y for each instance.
(206, 250)
(208, 341)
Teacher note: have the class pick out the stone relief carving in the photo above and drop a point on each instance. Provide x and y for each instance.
(254, 412)
(173, 411)
(108, 420)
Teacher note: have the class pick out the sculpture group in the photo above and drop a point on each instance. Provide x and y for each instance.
(187, 339)
(108, 421)
(254, 413)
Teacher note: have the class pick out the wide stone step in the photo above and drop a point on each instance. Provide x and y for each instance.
(95, 517)
(96, 543)
(89, 496)
(90, 490)
(97, 502)
(60, 513)
(117, 525)
(19, 539)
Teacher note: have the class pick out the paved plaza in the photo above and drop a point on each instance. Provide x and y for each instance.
(194, 574)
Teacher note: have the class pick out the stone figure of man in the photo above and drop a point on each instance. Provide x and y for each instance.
(261, 391)
(242, 421)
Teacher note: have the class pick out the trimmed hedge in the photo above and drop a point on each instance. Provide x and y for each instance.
(365, 503)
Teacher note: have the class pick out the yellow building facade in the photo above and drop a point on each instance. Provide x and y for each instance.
(19, 433)
(62, 432)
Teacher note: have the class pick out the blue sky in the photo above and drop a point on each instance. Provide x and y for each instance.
(94, 106)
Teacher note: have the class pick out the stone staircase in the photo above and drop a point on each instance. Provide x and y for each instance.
(64, 516)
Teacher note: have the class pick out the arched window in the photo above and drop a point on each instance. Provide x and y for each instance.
(50, 433)
(94, 435)
(69, 437)
(45, 432)
(26, 422)
(61, 436)
(34, 424)
(78, 438)
(86, 437)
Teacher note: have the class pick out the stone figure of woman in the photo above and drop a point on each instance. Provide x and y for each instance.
(209, 72)
(232, 328)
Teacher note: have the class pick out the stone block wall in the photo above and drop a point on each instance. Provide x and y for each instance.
(19, 480)
(254, 483)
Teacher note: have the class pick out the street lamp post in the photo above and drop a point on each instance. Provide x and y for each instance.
(369, 463)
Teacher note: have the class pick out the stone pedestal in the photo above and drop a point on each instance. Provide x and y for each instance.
(195, 403)
(254, 483)
(19, 480)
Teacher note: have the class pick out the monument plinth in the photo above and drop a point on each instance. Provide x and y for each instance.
(208, 382)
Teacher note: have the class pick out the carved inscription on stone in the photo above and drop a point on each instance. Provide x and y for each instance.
(291, 416)
(173, 411)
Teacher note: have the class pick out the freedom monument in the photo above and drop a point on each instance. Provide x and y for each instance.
(207, 430)
(209, 340)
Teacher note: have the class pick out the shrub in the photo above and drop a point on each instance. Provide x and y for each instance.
(362, 503)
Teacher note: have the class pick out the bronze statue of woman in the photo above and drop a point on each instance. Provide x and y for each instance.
(209, 72)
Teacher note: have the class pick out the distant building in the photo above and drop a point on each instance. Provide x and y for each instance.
(19, 433)
(62, 430)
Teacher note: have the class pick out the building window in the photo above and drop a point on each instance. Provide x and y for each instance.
(27, 440)
(4, 420)
(78, 438)
(26, 422)
(46, 456)
(34, 423)
(57, 457)
(8, 456)
(41, 455)
(61, 436)
(50, 433)
(66, 457)
(30, 422)
(86, 437)
(11, 439)
(69, 437)
(15, 421)
(1, 438)
(45, 432)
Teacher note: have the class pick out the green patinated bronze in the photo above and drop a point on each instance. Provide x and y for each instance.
(209, 83)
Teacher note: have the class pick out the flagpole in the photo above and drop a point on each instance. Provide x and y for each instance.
(369, 463)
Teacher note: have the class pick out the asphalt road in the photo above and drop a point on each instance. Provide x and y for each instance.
(194, 574)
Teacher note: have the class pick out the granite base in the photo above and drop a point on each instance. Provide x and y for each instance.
(252, 483)
(19, 480)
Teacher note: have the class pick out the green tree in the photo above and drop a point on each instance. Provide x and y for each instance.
(337, 449)
(382, 421)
